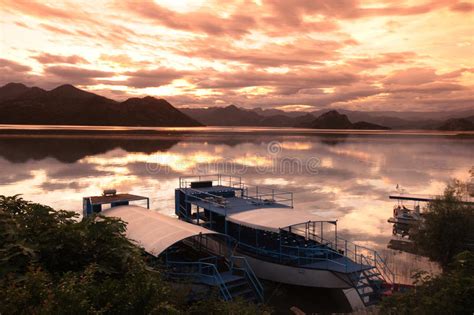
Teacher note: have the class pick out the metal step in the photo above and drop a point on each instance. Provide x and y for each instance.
(370, 303)
(363, 285)
(238, 284)
(365, 294)
(377, 275)
(244, 293)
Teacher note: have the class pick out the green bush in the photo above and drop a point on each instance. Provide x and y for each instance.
(448, 226)
(449, 293)
(52, 263)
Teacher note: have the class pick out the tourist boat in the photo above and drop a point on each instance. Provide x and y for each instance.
(405, 218)
(281, 243)
(184, 251)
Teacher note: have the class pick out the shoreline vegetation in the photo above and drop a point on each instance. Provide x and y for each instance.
(446, 236)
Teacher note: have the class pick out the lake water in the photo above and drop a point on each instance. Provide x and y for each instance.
(343, 176)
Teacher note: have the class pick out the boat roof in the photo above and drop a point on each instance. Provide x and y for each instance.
(153, 231)
(421, 197)
(98, 200)
(273, 219)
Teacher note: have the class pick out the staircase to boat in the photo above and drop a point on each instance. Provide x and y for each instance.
(231, 275)
(367, 272)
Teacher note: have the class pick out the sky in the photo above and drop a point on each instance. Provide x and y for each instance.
(291, 55)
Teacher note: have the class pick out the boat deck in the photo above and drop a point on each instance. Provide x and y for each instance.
(340, 264)
(236, 205)
(212, 189)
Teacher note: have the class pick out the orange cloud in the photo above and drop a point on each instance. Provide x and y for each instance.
(381, 54)
(46, 58)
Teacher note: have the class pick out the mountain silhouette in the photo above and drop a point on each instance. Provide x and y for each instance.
(68, 105)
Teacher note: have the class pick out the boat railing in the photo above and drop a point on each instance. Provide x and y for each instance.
(266, 195)
(192, 194)
(210, 260)
(309, 255)
(381, 264)
(199, 270)
(216, 179)
(357, 253)
(259, 194)
(297, 256)
(242, 263)
(211, 244)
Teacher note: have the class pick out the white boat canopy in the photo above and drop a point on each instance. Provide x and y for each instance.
(153, 231)
(273, 219)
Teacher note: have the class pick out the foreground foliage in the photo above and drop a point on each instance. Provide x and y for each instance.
(447, 237)
(449, 293)
(448, 227)
(51, 263)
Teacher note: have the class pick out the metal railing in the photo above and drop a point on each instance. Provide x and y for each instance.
(216, 179)
(243, 264)
(357, 253)
(199, 270)
(192, 194)
(217, 248)
(265, 195)
(296, 256)
(258, 194)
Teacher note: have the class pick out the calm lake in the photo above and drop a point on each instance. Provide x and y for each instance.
(343, 176)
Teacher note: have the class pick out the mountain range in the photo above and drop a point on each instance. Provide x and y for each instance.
(235, 116)
(68, 105)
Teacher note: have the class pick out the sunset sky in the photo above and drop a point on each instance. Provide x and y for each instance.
(292, 55)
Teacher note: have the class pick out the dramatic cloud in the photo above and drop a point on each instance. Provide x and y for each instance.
(73, 75)
(46, 58)
(152, 78)
(12, 71)
(301, 51)
(354, 54)
(8, 65)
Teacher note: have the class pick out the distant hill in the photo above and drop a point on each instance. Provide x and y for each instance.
(363, 125)
(334, 120)
(235, 116)
(224, 116)
(68, 105)
(13, 90)
(391, 119)
(458, 124)
(331, 120)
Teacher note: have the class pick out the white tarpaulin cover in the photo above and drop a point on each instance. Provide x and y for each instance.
(153, 231)
(272, 219)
